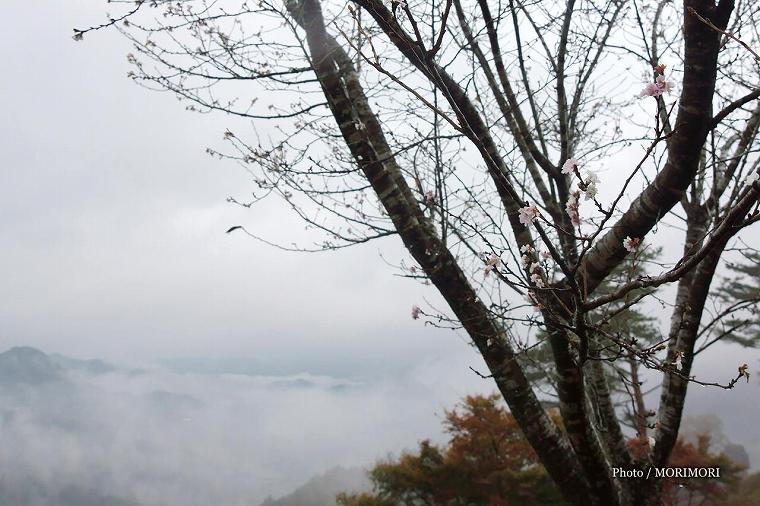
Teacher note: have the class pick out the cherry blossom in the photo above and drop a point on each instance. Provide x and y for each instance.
(546, 255)
(632, 243)
(569, 166)
(528, 215)
(571, 207)
(429, 198)
(591, 186)
(537, 280)
(657, 88)
(491, 263)
(526, 248)
(678, 362)
(416, 312)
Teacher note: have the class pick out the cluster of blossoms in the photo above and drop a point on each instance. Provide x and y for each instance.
(533, 267)
(528, 215)
(589, 186)
(571, 207)
(659, 86)
(631, 244)
(416, 312)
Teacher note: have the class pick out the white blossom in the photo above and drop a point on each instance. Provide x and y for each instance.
(591, 186)
(537, 280)
(678, 362)
(632, 243)
(528, 215)
(569, 166)
(491, 263)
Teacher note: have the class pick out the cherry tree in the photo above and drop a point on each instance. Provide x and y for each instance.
(531, 156)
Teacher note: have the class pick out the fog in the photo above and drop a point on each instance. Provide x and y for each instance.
(89, 432)
(155, 436)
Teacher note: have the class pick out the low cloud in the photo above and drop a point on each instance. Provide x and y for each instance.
(160, 437)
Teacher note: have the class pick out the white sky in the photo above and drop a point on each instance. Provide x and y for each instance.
(114, 218)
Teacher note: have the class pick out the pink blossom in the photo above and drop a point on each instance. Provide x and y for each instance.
(662, 84)
(416, 312)
(528, 215)
(571, 207)
(569, 166)
(491, 263)
(657, 88)
(650, 90)
(546, 255)
(537, 280)
(429, 198)
(632, 243)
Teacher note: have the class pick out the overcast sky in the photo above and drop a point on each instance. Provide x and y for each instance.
(112, 221)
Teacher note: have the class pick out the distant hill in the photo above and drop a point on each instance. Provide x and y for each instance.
(26, 365)
(30, 366)
(321, 490)
(89, 366)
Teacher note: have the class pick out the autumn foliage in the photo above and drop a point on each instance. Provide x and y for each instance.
(487, 461)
